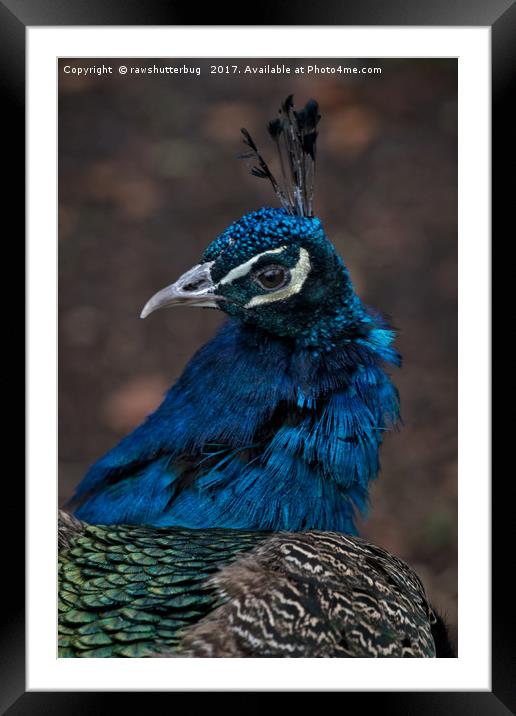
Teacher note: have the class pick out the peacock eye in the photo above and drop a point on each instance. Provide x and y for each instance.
(272, 277)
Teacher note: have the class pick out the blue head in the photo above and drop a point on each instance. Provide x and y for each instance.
(276, 271)
(275, 268)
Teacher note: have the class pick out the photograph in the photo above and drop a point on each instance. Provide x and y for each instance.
(257, 357)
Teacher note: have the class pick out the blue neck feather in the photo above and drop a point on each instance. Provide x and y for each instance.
(258, 433)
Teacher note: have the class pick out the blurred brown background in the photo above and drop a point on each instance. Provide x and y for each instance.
(148, 176)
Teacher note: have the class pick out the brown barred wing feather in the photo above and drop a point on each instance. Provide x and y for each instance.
(315, 594)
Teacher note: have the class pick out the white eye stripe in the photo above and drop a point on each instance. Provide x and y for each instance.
(298, 276)
(244, 268)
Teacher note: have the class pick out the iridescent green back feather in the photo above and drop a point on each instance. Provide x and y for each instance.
(127, 591)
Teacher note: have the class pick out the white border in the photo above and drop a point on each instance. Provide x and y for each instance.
(471, 670)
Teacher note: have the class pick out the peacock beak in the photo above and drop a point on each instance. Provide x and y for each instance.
(193, 288)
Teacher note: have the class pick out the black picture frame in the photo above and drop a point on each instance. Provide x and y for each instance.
(15, 17)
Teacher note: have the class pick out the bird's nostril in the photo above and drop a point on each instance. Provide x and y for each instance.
(194, 285)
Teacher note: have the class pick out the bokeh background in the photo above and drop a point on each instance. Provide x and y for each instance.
(148, 175)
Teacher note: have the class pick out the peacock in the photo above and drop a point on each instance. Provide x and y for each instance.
(276, 423)
(224, 525)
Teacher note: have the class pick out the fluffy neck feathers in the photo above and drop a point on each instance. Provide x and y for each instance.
(277, 435)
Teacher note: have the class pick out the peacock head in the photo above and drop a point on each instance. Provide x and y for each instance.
(275, 267)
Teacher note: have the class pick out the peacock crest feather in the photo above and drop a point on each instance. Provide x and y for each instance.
(295, 135)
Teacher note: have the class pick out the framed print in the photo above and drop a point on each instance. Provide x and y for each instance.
(133, 121)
